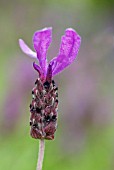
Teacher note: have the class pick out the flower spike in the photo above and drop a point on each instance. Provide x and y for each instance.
(44, 104)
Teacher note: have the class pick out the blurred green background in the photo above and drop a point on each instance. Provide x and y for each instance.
(85, 136)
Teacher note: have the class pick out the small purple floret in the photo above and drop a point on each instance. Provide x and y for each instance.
(69, 47)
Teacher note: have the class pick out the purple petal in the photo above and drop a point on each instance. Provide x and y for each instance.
(37, 68)
(49, 73)
(41, 40)
(70, 44)
(26, 49)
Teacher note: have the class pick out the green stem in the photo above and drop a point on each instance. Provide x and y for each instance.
(40, 154)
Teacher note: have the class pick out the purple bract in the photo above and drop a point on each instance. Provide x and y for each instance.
(69, 47)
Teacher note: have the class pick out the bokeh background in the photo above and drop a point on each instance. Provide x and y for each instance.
(85, 135)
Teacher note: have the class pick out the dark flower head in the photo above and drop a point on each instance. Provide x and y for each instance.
(69, 47)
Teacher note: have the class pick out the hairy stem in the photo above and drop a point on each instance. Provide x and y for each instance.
(40, 154)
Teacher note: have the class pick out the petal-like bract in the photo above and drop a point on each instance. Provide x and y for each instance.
(26, 49)
(69, 47)
(41, 41)
(70, 43)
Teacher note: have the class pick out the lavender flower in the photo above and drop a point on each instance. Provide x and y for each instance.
(44, 105)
